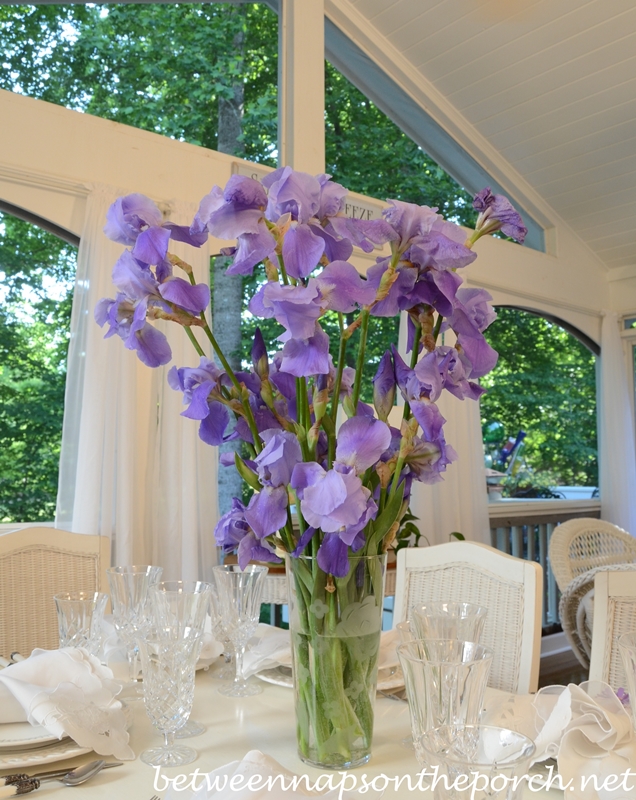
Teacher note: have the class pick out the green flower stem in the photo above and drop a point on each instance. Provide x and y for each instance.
(364, 327)
(193, 339)
(396, 475)
(340, 369)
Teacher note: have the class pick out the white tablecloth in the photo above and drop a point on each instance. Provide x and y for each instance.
(235, 726)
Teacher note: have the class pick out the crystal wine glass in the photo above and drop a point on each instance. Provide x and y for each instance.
(182, 604)
(239, 596)
(79, 619)
(168, 659)
(228, 670)
(129, 594)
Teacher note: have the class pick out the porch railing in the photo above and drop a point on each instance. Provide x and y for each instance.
(524, 528)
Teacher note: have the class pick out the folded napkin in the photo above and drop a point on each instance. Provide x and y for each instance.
(69, 693)
(270, 647)
(586, 728)
(231, 783)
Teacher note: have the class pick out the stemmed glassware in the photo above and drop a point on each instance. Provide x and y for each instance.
(228, 670)
(239, 595)
(182, 605)
(168, 659)
(129, 594)
(79, 618)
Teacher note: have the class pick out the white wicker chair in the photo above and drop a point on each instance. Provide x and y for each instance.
(614, 614)
(577, 609)
(35, 564)
(510, 588)
(579, 545)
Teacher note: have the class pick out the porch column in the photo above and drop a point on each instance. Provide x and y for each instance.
(301, 85)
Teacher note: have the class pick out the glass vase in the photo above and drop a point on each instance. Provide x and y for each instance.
(335, 626)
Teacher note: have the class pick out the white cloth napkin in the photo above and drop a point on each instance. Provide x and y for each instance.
(69, 693)
(586, 728)
(231, 783)
(270, 647)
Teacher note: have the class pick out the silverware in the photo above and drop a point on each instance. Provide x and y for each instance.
(20, 777)
(74, 777)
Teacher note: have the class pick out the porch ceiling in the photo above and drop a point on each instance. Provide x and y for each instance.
(548, 84)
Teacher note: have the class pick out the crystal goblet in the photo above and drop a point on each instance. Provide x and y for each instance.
(168, 660)
(79, 619)
(182, 604)
(131, 611)
(239, 595)
(445, 620)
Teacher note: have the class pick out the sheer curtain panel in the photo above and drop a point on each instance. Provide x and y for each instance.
(131, 467)
(617, 454)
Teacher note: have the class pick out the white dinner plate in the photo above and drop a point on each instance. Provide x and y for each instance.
(48, 754)
(23, 736)
(388, 678)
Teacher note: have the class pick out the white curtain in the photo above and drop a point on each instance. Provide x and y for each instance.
(617, 454)
(131, 468)
(460, 501)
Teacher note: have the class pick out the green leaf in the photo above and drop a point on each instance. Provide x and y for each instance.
(251, 478)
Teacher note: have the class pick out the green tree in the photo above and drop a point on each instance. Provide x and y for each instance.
(36, 279)
(544, 384)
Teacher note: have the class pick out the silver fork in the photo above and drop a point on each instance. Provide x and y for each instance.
(155, 797)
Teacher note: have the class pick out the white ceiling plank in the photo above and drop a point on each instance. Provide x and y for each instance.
(565, 103)
(523, 81)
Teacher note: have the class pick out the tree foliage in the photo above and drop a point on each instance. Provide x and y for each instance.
(36, 272)
(545, 385)
(163, 68)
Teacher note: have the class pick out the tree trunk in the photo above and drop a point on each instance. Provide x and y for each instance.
(227, 295)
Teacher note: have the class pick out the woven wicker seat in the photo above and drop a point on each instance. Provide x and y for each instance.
(35, 564)
(614, 615)
(577, 610)
(510, 588)
(579, 545)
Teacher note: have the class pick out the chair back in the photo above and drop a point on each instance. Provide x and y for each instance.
(510, 588)
(35, 564)
(614, 615)
(582, 544)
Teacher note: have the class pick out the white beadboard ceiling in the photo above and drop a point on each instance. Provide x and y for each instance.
(549, 84)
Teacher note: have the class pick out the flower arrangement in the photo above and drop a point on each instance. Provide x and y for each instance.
(349, 485)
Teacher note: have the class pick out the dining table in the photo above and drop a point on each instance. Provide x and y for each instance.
(235, 726)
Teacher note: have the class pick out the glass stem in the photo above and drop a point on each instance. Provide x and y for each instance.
(239, 652)
(168, 740)
(132, 664)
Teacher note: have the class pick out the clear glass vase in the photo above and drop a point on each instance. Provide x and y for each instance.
(335, 626)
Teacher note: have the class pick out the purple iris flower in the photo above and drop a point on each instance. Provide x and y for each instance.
(452, 367)
(198, 385)
(136, 221)
(361, 442)
(433, 288)
(233, 532)
(307, 357)
(401, 288)
(475, 304)
(128, 320)
(231, 527)
(263, 417)
(333, 555)
(410, 220)
(267, 510)
(276, 461)
(497, 213)
(342, 288)
(332, 197)
(291, 192)
(427, 460)
(302, 250)
(237, 212)
(384, 386)
(296, 308)
(440, 252)
(365, 233)
(334, 501)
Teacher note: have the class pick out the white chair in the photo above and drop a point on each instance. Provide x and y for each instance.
(510, 588)
(614, 615)
(577, 610)
(35, 564)
(582, 544)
